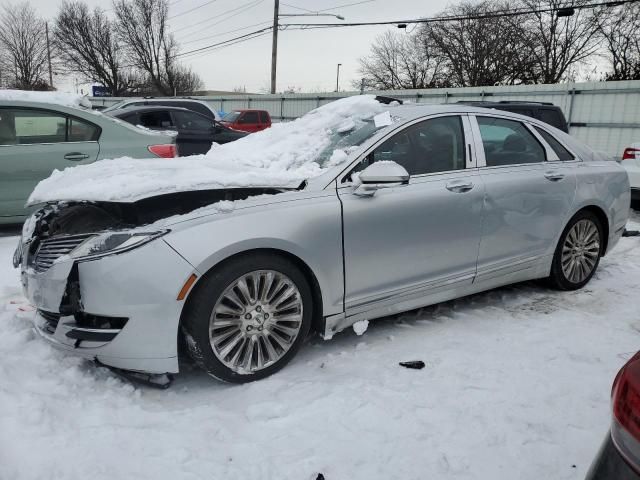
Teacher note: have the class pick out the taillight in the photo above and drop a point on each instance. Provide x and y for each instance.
(625, 399)
(630, 153)
(164, 151)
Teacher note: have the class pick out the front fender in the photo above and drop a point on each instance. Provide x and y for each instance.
(309, 229)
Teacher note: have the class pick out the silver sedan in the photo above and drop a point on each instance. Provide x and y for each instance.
(444, 202)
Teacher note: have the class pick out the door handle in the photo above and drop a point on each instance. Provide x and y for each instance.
(75, 156)
(553, 176)
(459, 186)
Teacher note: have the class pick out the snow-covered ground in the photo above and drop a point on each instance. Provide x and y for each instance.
(516, 385)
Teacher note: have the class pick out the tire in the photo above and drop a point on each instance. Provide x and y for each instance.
(581, 242)
(219, 334)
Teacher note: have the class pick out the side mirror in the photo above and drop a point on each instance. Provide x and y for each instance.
(383, 174)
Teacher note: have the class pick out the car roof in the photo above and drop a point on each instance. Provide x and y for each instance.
(165, 99)
(248, 110)
(503, 103)
(148, 108)
(44, 105)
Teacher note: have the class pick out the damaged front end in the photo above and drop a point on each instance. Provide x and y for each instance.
(98, 302)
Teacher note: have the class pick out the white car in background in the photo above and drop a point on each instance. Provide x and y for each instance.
(631, 162)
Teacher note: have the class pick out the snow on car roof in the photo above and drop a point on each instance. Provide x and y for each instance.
(57, 98)
(281, 156)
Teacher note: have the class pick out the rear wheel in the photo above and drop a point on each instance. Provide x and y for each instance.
(578, 252)
(248, 318)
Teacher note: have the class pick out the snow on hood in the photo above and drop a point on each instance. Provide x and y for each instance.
(281, 156)
(57, 98)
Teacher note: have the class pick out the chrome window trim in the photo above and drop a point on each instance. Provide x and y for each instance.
(465, 128)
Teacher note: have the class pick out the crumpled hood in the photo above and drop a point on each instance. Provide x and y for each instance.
(281, 156)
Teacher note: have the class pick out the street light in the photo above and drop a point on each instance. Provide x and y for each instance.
(274, 45)
(338, 78)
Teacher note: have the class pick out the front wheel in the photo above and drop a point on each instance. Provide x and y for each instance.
(248, 318)
(578, 252)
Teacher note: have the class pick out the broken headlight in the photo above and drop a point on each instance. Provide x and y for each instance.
(113, 242)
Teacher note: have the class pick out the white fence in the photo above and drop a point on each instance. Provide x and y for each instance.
(605, 115)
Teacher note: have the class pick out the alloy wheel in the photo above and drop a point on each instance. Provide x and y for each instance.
(255, 321)
(580, 251)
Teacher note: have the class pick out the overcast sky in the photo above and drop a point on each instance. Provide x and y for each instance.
(307, 59)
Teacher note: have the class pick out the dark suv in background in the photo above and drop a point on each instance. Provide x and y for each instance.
(544, 111)
(196, 132)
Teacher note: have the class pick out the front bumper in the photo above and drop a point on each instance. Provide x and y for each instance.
(120, 310)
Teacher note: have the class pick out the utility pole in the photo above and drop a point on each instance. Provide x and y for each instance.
(338, 78)
(274, 47)
(46, 31)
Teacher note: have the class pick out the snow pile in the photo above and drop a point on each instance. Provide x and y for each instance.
(281, 156)
(360, 327)
(58, 98)
(516, 386)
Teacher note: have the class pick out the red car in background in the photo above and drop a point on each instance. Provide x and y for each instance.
(247, 120)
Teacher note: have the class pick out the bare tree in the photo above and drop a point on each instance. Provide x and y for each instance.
(183, 80)
(556, 44)
(142, 26)
(88, 46)
(401, 61)
(620, 30)
(24, 47)
(481, 49)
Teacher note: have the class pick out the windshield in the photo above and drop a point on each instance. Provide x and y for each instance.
(345, 139)
(231, 117)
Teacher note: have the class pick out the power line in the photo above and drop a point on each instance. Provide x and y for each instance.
(450, 18)
(346, 5)
(298, 8)
(328, 9)
(266, 29)
(250, 4)
(191, 10)
(202, 54)
(209, 25)
(225, 33)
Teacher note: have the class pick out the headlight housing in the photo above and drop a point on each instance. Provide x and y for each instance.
(113, 242)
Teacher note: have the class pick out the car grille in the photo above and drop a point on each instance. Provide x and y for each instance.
(51, 321)
(52, 249)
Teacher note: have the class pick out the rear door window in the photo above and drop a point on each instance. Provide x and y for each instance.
(156, 119)
(249, 117)
(193, 106)
(264, 117)
(556, 146)
(508, 142)
(191, 121)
